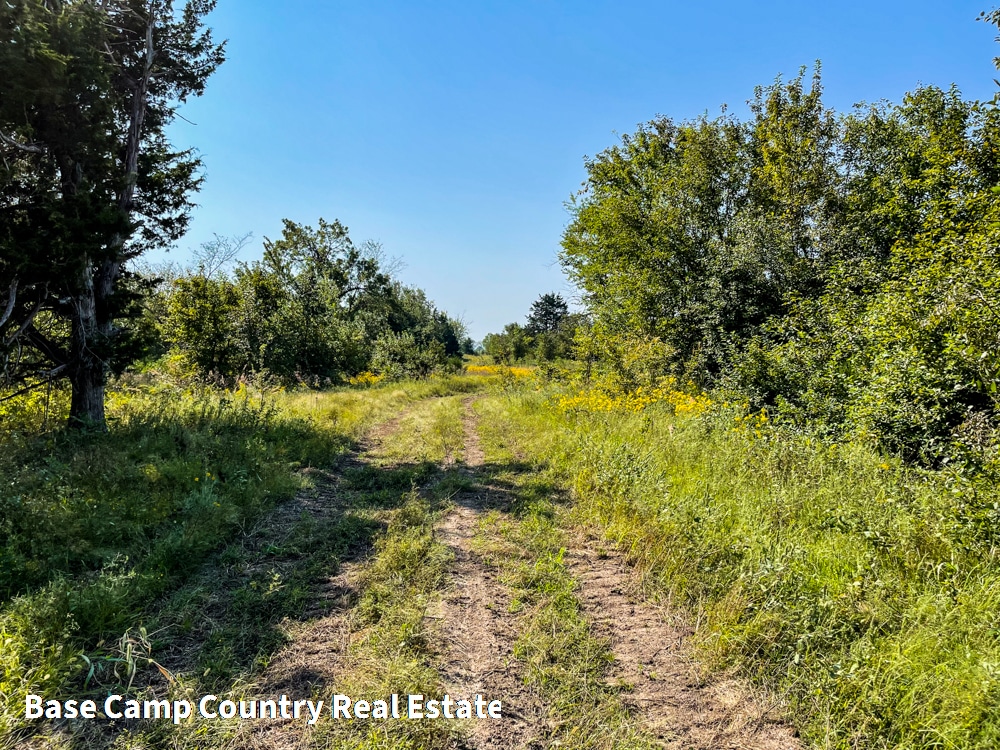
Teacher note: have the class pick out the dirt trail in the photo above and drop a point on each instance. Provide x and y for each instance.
(650, 644)
(653, 655)
(478, 630)
(316, 649)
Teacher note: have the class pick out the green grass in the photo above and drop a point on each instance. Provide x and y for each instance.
(430, 432)
(392, 649)
(389, 652)
(98, 530)
(393, 643)
(867, 593)
(555, 645)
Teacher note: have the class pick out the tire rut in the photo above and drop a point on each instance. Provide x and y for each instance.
(312, 659)
(652, 655)
(476, 626)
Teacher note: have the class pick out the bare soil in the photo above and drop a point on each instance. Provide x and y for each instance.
(478, 630)
(653, 655)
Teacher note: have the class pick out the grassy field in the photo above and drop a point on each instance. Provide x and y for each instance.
(203, 533)
(99, 533)
(865, 592)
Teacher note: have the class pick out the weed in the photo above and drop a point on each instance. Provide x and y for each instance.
(864, 592)
(98, 533)
(555, 644)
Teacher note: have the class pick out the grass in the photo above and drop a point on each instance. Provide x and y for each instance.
(865, 592)
(391, 649)
(431, 432)
(393, 644)
(559, 653)
(101, 533)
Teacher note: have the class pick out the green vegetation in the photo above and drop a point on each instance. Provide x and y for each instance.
(863, 590)
(834, 269)
(100, 531)
(835, 277)
(779, 401)
(547, 336)
(857, 587)
(89, 183)
(88, 178)
(824, 497)
(316, 310)
(561, 656)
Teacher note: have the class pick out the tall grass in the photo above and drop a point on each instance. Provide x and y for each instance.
(867, 592)
(95, 528)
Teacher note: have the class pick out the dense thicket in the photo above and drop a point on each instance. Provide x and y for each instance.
(316, 309)
(839, 269)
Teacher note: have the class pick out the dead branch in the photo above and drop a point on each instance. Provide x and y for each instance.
(11, 298)
(30, 148)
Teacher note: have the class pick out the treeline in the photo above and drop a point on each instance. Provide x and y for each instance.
(840, 270)
(315, 310)
(549, 334)
(89, 182)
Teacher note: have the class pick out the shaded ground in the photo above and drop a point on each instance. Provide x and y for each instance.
(309, 664)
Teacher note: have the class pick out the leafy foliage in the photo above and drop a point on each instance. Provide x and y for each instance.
(548, 334)
(88, 179)
(316, 309)
(695, 233)
(834, 269)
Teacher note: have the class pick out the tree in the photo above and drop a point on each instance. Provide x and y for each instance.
(547, 313)
(650, 228)
(696, 234)
(317, 331)
(509, 346)
(315, 309)
(201, 322)
(216, 256)
(88, 180)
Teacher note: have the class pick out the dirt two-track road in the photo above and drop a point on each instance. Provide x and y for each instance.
(454, 589)
(474, 630)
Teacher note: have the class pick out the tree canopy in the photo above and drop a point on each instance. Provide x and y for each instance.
(88, 179)
(316, 309)
(835, 269)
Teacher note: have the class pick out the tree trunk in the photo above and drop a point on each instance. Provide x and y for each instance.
(87, 405)
(87, 369)
(93, 320)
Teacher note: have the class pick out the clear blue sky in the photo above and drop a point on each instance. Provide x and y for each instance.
(454, 132)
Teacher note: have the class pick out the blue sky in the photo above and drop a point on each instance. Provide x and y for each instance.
(454, 132)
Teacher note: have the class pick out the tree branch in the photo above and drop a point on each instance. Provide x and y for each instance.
(982, 298)
(51, 350)
(8, 312)
(27, 322)
(31, 148)
(48, 376)
(11, 297)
